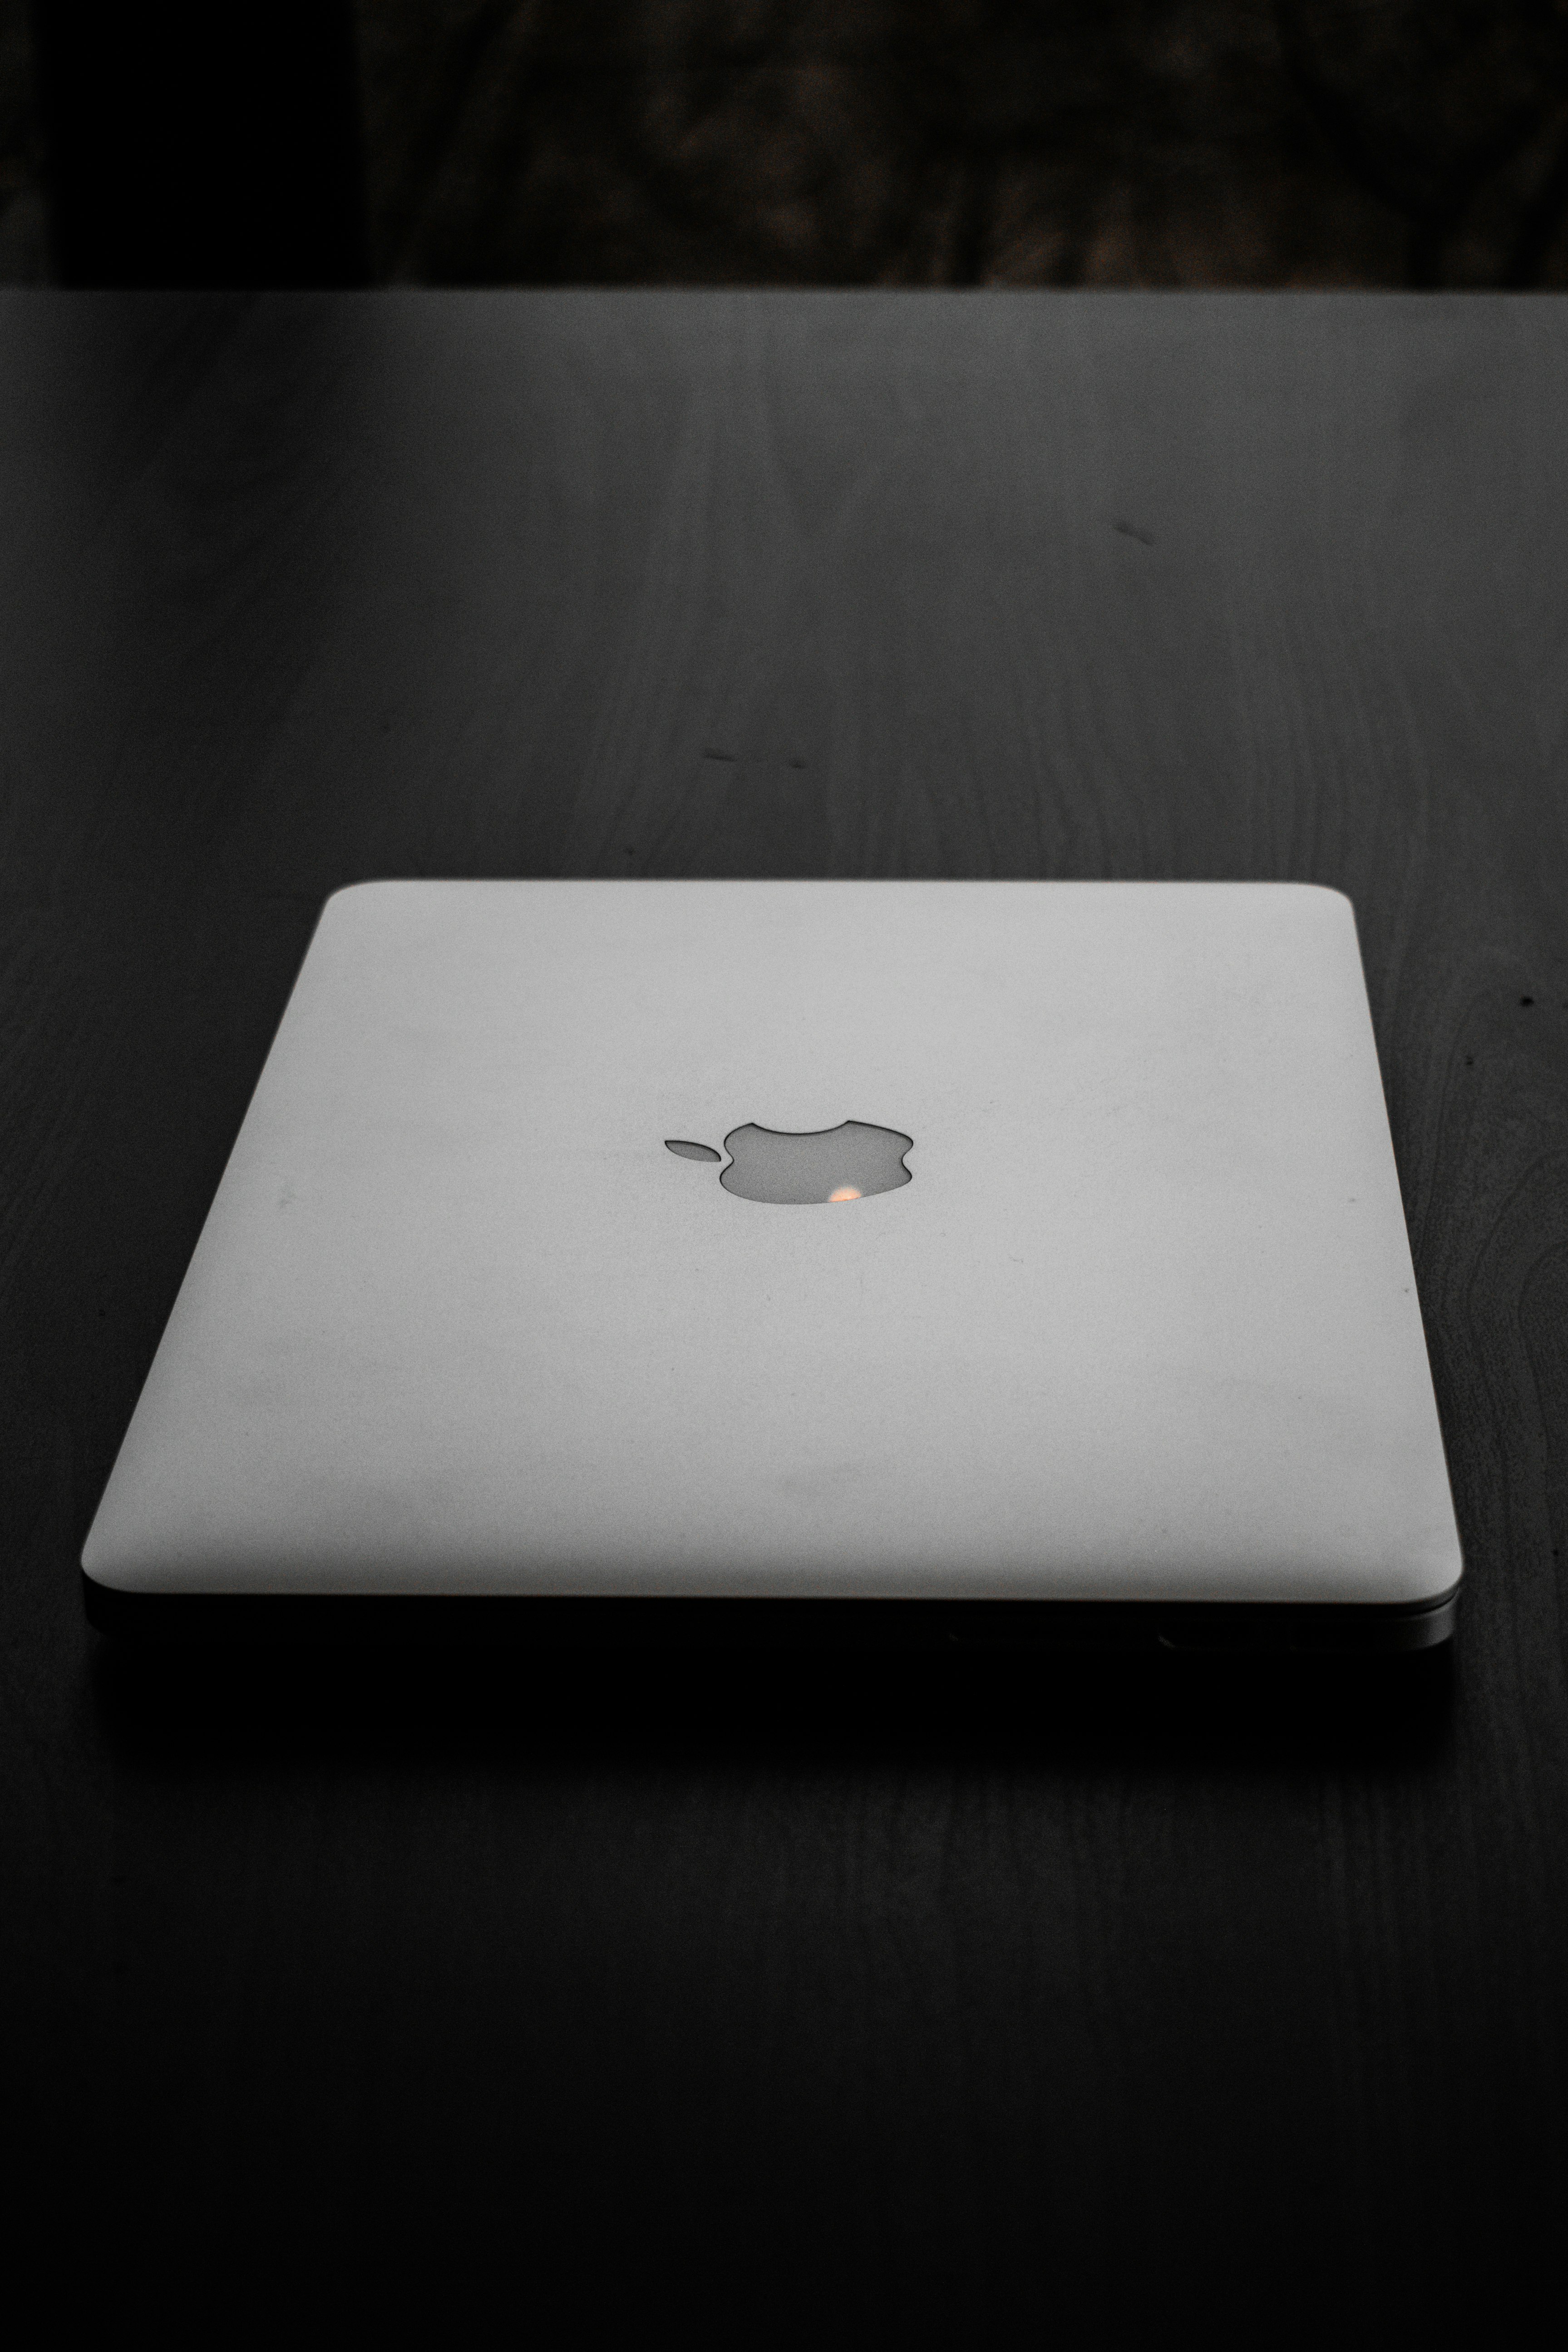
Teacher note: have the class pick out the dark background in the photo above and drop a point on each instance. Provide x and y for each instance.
(781, 2003)
(1113, 142)
(858, 1996)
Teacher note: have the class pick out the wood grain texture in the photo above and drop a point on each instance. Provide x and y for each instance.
(871, 1996)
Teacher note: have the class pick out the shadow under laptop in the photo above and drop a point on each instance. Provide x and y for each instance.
(195, 1706)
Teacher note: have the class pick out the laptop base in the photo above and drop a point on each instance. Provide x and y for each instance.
(354, 1620)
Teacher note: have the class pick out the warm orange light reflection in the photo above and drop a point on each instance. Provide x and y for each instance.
(844, 1193)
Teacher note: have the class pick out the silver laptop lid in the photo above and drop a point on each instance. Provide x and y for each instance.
(1115, 1300)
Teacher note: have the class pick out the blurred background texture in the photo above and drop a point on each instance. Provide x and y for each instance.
(898, 143)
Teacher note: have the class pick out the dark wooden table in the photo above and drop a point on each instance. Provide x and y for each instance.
(862, 1995)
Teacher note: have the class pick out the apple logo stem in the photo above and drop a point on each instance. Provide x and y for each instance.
(847, 1162)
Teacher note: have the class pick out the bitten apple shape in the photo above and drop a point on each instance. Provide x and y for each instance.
(847, 1162)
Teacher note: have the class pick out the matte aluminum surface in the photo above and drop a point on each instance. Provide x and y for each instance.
(1143, 1325)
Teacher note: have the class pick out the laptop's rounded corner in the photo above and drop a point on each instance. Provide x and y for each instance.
(113, 1568)
(376, 887)
(1429, 1618)
(104, 1604)
(1325, 896)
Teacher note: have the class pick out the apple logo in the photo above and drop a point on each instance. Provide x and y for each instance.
(847, 1162)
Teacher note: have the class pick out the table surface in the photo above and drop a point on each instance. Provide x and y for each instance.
(882, 1992)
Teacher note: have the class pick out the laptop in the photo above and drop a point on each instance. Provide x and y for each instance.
(931, 1262)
